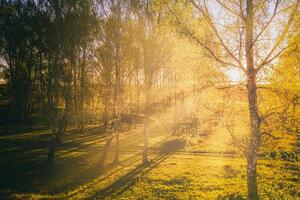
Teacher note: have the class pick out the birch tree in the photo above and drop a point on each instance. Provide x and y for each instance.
(251, 35)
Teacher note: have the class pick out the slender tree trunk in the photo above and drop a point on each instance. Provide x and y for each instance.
(64, 121)
(75, 95)
(106, 127)
(52, 145)
(105, 151)
(118, 78)
(148, 101)
(82, 92)
(130, 96)
(137, 98)
(253, 109)
(81, 111)
(253, 143)
(51, 96)
(117, 150)
(105, 114)
(57, 134)
(145, 150)
(148, 70)
(137, 91)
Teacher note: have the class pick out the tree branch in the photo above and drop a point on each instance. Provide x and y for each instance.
(230, 10)
(279, 40)
(186, 30)
(211, 24)
(270, 135)
(268, 23)
(265, 62)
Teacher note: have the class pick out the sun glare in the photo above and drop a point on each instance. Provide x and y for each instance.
(235, 75)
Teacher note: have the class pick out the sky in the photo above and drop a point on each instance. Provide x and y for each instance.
(235, 75)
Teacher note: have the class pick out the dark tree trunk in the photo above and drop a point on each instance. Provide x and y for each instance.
(75, 96)
(82, 93)
(56, 135)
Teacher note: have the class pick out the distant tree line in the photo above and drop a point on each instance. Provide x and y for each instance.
(80, 62)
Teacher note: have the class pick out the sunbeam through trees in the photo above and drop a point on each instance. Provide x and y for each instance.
(149, 99)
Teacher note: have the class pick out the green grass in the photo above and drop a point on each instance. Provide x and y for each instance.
(210, 169)
(173, 173)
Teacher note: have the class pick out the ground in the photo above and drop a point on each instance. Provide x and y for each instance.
(207, 169)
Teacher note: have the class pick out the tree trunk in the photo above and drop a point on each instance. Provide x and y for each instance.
(82, 93)
(137, 108)
(254, 142)
(253, 109)
(57, 134)
(145, 150)
(105, 151)
(147, 113)
(118, 78)
(105, 114)
(117, 150)
(75, 95)
(148, 101)
(51, 98)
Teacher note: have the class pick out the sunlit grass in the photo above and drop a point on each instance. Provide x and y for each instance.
(210, 167)
(173, 174)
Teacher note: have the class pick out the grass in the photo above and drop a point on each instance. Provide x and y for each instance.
(211, 169)
(172, 174)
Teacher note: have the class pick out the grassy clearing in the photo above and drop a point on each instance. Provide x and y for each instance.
(209, 168)
(173, 173)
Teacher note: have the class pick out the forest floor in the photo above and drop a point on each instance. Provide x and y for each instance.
(206, 169)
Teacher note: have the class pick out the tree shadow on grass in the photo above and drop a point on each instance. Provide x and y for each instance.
(71, 166)
(167, 149)
(23, 166)
(233, 196)
(95, 173)
(172, 146)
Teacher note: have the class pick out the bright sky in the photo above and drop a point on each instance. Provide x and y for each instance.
(235, 75)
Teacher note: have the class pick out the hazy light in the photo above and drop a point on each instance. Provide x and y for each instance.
(235, 75)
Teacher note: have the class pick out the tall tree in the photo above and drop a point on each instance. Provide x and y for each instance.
(19, 42)
(250, 22)
(63, 51)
